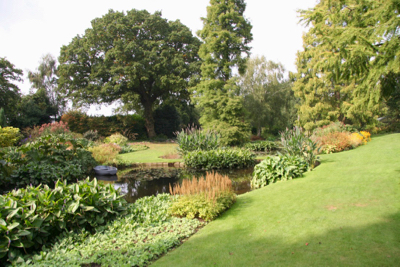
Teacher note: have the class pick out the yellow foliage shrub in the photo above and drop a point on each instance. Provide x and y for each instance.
(105, 153)
(366, 136)
(9, 136)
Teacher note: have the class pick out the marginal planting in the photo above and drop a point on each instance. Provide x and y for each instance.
(337, 137)
(192, 138)
(46, 160)
(280, 168)
(32, 217)
(136, 238)
(229, 158)
(262, 146)
(202, 198)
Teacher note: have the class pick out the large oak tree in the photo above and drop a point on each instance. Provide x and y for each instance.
(135, 57)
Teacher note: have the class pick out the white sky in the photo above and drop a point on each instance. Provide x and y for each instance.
(30, 29)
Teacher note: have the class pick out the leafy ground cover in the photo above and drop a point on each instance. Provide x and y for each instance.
(343, 213)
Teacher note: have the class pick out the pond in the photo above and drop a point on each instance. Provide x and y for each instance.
(137, 183)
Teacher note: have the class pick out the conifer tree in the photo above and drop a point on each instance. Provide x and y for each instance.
(226, 35)
(351, 49)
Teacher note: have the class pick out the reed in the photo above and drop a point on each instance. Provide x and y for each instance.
(213, 186)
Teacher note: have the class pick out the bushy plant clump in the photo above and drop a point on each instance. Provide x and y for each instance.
(203, 198)
(337, 137)
(192, 138)
(31, 217)
(46, 160)
(262, 146)
(105, 154)
(279, 168)
(135, 239)
(9, 136)
(116, 138)
(296, 143)
(229, 158)
(91, 135)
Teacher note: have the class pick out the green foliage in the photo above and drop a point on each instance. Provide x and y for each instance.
(280, 168)
(34, 216)
(142, 235)
(105, 154)
(198, 206)
(193, 138)
(33, 109)
(91, 135)
(48, 159)
(296, 143)
(262, 146)
(226, 35)
(9, 136)
(350, 56)
(166, 120)
(202, 198)
(268, 99)
(99, 67)
(3, 119)
(129, 125)
(9, 92)
(117, 139)
(219, 159)
(45, 78)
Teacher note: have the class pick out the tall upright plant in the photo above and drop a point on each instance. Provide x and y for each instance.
(226, 35)
(296, 143)
(193, 138)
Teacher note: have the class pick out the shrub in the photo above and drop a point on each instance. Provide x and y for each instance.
(105, 154)
(46, 160)
(33, 216)
(280, 168)
(203, 198)
(264, 146)
(91, 135)
(116, 138)
(219, 159)
(296, 143)
(193, 138)
(9, 136)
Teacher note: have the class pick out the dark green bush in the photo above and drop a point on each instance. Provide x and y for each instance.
(46, 160)
(32, 217)
(280, 168)
(219, 159)
(262, 146)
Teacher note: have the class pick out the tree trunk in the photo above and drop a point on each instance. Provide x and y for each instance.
(149, 119)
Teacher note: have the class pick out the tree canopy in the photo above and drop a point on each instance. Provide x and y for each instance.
(350, 52)
(226, 35)
(9, 92)
(268, 98)
(45, 78)
(134, 57)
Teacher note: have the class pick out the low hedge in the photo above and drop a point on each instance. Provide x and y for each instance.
(219, 159)
(262, 146)
(32, 217)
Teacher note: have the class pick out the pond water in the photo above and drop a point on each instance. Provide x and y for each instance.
(138, 183)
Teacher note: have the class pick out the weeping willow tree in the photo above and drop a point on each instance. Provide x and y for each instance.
(349, 63)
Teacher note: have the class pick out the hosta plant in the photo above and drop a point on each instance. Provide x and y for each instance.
(279, 168)
(34, 216)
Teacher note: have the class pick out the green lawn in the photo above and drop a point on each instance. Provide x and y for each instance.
(153, 154)
(344, 213)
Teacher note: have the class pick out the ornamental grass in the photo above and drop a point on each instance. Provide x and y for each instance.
(212, 186)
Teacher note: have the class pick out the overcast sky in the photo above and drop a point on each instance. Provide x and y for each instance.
(30, 29)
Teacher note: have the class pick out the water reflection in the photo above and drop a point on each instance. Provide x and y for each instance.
(139, 183)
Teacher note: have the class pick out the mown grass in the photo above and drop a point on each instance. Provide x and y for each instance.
(153, 154)
(344, 213)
